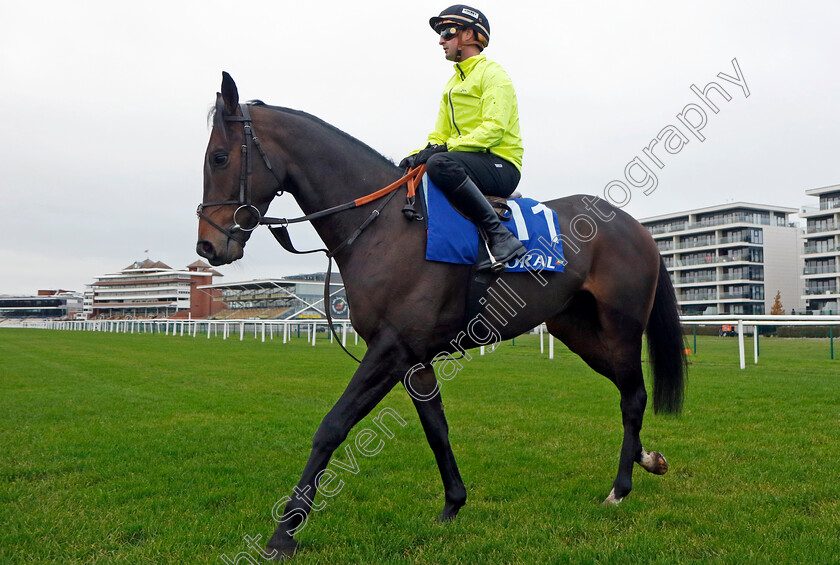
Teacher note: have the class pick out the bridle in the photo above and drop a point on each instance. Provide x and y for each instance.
(253, 218)
(411, 180)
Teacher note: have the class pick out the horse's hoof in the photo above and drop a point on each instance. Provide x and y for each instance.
(449, 512)
(654, 462)
(285, 551)
(612, 499)
(446, 516)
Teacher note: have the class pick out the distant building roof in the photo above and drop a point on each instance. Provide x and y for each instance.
(148, 264)
(823, 190)
(335, 280)
(202, 266)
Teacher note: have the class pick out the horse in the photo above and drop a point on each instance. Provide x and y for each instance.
(615, 287)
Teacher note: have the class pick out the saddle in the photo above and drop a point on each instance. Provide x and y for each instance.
(501, 206)
(453, 238)
(498, 203)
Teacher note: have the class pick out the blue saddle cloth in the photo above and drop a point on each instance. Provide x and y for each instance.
(452, 238)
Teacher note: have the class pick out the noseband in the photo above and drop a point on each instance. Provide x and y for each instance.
(253, 216)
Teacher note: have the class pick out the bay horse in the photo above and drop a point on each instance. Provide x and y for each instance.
(615, 286)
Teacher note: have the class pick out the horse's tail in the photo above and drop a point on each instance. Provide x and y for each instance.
(666, 348)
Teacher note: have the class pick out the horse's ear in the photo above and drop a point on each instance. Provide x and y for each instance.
(229, 94)
(219, 112)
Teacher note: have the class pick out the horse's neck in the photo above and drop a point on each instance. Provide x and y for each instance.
(327, 170)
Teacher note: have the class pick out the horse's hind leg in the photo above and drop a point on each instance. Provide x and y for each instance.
(611, 343)
(422, 386)
(630, 383)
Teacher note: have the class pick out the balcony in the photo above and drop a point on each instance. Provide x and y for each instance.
(711, 222)
(698, 296)
(742, 276)
(655, 230)
(810, 291)
(740, 257)
(739, 295)
(698, 279)
(821, 228)
(692, 244)
(821, 270)
(810, 249)
(830, 203)
(731, 219)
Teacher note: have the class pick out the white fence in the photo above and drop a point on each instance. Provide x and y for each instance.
(283, 329)
(211, 328)
(761, 320)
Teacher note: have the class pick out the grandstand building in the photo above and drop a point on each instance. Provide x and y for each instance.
(298, 297)
(732, 258)
(47, 304)
(151, 289)
(821, 251)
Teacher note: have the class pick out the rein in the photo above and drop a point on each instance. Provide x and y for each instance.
(281, 233)
(411, 180)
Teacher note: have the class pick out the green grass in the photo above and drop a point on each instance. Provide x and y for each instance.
(160, 449)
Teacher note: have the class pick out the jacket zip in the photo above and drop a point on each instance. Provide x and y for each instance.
(451, 105)
(452, 108)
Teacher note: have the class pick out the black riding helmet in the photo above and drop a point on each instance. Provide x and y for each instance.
(461, 15)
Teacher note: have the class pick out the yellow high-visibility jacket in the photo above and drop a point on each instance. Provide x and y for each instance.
(478, 112)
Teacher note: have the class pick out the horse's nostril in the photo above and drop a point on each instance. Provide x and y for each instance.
(205, 249)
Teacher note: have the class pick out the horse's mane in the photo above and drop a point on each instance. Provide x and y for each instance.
(328, 126)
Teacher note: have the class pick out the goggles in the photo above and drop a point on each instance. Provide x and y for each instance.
(449, 32)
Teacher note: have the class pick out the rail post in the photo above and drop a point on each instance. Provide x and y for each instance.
(542, 345)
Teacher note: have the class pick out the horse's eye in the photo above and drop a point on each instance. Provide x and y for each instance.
(220, 159)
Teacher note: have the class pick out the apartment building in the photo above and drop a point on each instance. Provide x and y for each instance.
(731, 258)
(821, 251)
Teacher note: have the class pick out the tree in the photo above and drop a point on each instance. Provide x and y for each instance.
(777, 309)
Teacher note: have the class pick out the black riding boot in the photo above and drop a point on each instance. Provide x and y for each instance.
(471, 202)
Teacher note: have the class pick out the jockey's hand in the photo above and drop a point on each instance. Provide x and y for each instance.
(408, 162)
(413, 161)
(424, 154)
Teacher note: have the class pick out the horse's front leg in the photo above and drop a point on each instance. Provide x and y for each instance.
(374, 378)
(422, 386)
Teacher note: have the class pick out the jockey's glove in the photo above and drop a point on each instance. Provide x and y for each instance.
(419, 158)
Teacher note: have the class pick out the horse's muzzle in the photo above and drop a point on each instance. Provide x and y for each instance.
(216, 256)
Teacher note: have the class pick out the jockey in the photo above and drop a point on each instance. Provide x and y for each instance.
(475, 148)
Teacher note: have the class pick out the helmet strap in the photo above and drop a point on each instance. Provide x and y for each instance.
(461, 43)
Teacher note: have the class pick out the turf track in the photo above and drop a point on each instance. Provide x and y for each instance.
(159, 449)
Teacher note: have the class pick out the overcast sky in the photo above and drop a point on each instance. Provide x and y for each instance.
(104, 108)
